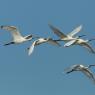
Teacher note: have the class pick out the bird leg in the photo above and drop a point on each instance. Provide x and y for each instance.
(9, 43)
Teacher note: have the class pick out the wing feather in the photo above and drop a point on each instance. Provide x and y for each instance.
(31, 48)
(57, 31)
(75, 31)
(88, 46)
(69, 43)
(14, 31)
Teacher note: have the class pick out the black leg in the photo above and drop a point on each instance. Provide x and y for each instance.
(9, 43)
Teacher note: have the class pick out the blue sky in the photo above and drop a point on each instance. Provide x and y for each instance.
(41, 73)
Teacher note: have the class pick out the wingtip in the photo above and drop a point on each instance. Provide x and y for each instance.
(27, 49)
(29, 53)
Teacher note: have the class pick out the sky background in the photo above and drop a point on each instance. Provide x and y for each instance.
(41, 73)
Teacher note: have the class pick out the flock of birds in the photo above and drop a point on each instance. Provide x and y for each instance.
(70, 39)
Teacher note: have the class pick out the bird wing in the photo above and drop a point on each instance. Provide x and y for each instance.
(89, 74)
(76, 30)
(14, 31)
(69, 43)
(31, 48)
(51, 41)
(57, 31)
(88, 46)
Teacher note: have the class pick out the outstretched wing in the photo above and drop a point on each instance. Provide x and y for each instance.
(31, 48)
(89, 74)
(86, 45)
(53, 42)
(14, 31)
(75, 31)
(69, 43)
(57, 31)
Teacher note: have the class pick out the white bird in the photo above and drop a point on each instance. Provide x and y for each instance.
(17, 37)
(81, 42)
(83, 69)
(64, 37)
(40, 41)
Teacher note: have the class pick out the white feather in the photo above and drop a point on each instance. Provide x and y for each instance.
(75, 31)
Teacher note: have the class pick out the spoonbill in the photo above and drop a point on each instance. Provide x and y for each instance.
(64, 37)
(17, 38)
(40, 41)
(83, 69)
(81, 42)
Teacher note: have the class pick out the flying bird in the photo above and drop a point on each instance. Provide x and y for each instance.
(40, 41)
(17, 38)
(81, 42)
(83, 69)
(64, 37)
